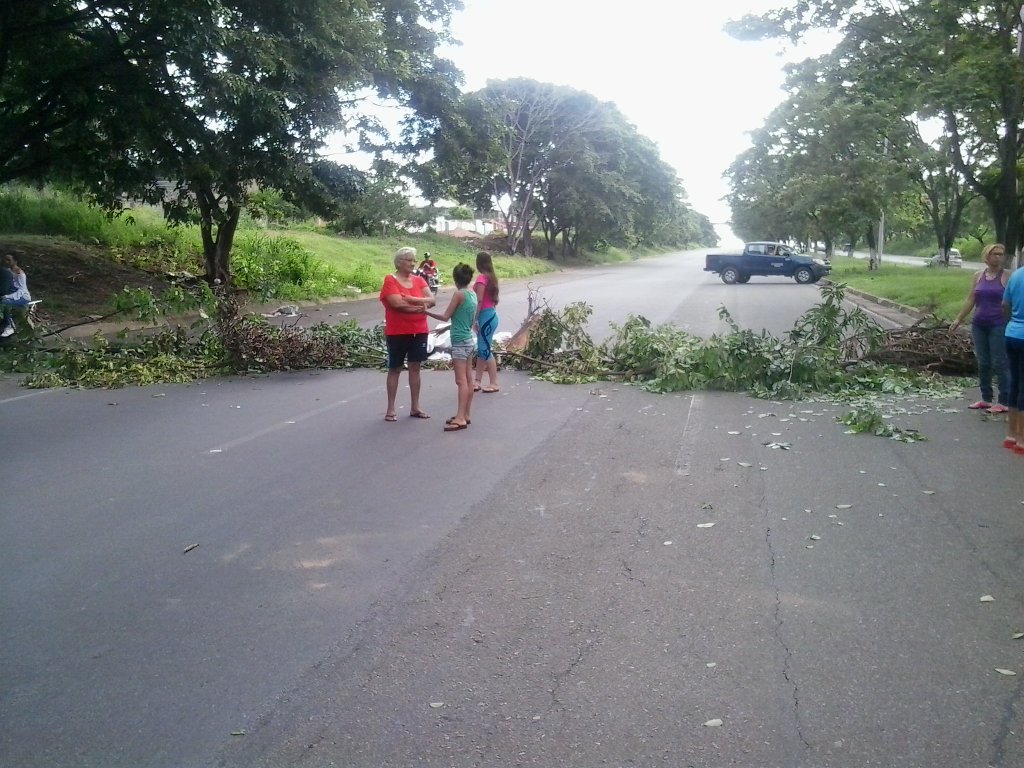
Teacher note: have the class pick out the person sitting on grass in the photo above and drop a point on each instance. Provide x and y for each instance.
(462, 312)
(13, 291)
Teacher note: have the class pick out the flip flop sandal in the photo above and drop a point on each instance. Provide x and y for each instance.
(454, 427)
(452, 419)
(489, 390)
(391, 417)
(418, 415)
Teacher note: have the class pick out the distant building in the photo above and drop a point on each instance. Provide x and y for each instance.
(461, 227)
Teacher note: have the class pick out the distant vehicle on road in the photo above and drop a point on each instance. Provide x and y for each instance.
(766, 259)
(955, 259)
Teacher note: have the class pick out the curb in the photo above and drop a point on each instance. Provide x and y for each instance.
(888, 303)
(909, 313)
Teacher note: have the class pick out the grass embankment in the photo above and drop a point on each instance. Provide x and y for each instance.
(300, 262)
(935, 290)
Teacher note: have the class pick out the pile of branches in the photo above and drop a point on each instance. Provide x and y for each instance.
(251, 344)
(928, 345)
(831, 350)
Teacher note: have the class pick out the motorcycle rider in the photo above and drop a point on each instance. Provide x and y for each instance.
(428, 271)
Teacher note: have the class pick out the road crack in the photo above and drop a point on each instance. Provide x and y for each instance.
(777, 632)
(1006, 729)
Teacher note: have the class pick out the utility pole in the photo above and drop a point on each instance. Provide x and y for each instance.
(881, 236)
(881, 219)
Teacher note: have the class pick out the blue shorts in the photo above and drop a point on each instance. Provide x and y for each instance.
(406, 345)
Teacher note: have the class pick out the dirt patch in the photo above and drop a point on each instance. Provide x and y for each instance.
(74, 280)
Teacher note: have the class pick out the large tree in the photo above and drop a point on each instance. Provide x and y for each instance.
(213, 97)
(953, 60)
(559, 160)
(821, 168)
(534, 130)
(607, 184)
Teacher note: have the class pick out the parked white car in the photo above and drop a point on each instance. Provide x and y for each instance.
(955, 259)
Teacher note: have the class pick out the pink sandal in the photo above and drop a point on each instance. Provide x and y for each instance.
(996, 409)
(979, 405)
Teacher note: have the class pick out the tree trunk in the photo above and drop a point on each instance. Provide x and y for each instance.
(217, 226)
(1011, 238)
(871, 238)
(1002, 196)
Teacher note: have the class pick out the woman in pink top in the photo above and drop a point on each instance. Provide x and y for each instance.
(486, 288)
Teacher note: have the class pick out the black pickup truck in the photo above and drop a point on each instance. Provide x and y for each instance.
(766, 259)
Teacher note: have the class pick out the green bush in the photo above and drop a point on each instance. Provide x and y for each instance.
(281, 268)
(969, 248)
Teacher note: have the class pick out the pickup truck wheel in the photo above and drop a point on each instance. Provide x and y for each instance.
(731, 275)
(743, 279)
(803, 275)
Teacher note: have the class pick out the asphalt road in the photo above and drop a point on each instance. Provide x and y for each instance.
(535, 590)
(668, 289)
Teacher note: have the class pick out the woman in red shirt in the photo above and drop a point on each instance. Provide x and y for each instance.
(406, 298)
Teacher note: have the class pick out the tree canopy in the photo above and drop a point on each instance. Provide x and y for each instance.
(557, 160)
(901, 65)
(215, 98)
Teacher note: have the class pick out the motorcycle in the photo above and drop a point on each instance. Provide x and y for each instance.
(428, 271)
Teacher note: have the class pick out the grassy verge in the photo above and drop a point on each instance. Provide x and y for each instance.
(300, 262)
(938, 291)
(363, 262)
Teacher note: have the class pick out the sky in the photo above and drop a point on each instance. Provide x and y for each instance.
(668, 66)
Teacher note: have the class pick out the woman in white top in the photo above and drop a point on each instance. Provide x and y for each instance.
(19, 297)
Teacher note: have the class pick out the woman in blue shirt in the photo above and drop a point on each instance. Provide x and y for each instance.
(1013, 311)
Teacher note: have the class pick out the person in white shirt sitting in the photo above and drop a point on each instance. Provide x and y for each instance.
(14, 284)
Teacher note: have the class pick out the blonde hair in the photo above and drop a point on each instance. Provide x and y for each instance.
(991, 247)
(405, 252)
